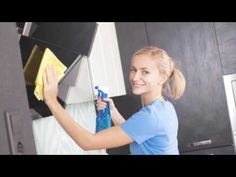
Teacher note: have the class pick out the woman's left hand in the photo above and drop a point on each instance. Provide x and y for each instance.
(50, 82)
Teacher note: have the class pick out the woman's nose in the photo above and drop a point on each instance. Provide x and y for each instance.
(136, 76)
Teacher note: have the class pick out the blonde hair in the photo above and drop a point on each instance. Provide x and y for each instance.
(167, 69)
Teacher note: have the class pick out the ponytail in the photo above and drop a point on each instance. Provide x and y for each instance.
(177, 84)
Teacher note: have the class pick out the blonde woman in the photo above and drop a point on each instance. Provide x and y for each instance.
(153, 129)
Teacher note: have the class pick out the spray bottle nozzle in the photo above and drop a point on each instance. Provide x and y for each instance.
(101, 94)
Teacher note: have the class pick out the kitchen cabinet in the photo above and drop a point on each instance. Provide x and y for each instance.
(101, 68)
(16, 135)
(131, 37)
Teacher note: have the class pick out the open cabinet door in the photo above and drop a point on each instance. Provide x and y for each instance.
(16, 135)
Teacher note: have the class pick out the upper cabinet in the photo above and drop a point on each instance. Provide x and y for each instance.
(89, 50)
(131, 37)
(70, 42)
(101, 68)
(104, 61)
(73, 36)
(226, 37)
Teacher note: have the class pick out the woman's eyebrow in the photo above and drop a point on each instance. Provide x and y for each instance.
(145, 68)
(140, 68)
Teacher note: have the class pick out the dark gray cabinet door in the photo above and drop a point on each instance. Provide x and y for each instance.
(73, 36)
(127, 105)
(16, 135)
(131, 37)
(226, 37)
(202, 111)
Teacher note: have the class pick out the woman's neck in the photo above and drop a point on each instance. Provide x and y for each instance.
(147, 99)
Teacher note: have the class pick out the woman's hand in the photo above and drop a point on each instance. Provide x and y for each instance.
(116, 117)
(50, 82)
(101, 104)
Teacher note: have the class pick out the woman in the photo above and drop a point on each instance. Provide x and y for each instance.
(153, 129)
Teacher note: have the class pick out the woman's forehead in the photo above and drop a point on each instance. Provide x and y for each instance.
(143, 61)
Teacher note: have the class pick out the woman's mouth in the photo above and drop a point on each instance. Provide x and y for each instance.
(137, 85)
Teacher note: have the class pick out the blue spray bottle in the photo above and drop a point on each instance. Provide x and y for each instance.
(103, 119)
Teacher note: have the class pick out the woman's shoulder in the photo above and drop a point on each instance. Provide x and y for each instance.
(159, 104)
(155, 109)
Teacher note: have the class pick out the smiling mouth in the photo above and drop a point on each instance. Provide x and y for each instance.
(137, 85)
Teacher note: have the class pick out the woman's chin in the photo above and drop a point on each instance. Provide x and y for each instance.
(136, 92)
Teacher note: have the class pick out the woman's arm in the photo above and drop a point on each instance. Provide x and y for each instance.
(116, 117)
(108, 138)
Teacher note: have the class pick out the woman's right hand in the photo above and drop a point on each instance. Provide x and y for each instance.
(102, 103)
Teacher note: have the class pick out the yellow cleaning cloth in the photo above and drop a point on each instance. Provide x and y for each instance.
(47, 58)
(32, 66)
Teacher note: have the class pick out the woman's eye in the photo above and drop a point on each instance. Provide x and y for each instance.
(132, 70)
(145, 72)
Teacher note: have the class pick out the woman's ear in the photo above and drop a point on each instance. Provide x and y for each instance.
(160, 82)
(162, 79)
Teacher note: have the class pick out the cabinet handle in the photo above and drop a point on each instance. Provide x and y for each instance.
(201, 143)
(10, 132)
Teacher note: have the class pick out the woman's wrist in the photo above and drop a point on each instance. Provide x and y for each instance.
(114, 114)
(113, 111)
(51, 103)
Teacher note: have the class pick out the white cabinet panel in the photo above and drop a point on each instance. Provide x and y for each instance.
(104, 60)
(76, 87)
(102, 68)
(51, 138)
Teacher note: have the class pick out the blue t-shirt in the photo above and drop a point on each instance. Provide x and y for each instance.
(154, 129)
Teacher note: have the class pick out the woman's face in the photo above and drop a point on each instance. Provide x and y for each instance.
(144, 75)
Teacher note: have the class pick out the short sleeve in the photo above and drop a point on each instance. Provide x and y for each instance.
(141, 126)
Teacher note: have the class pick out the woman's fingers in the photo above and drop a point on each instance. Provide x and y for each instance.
(50, 85)
(99, 101)
(101, 105)
(53, 72)
(110, 101)
(45, 82)
(51, 75)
